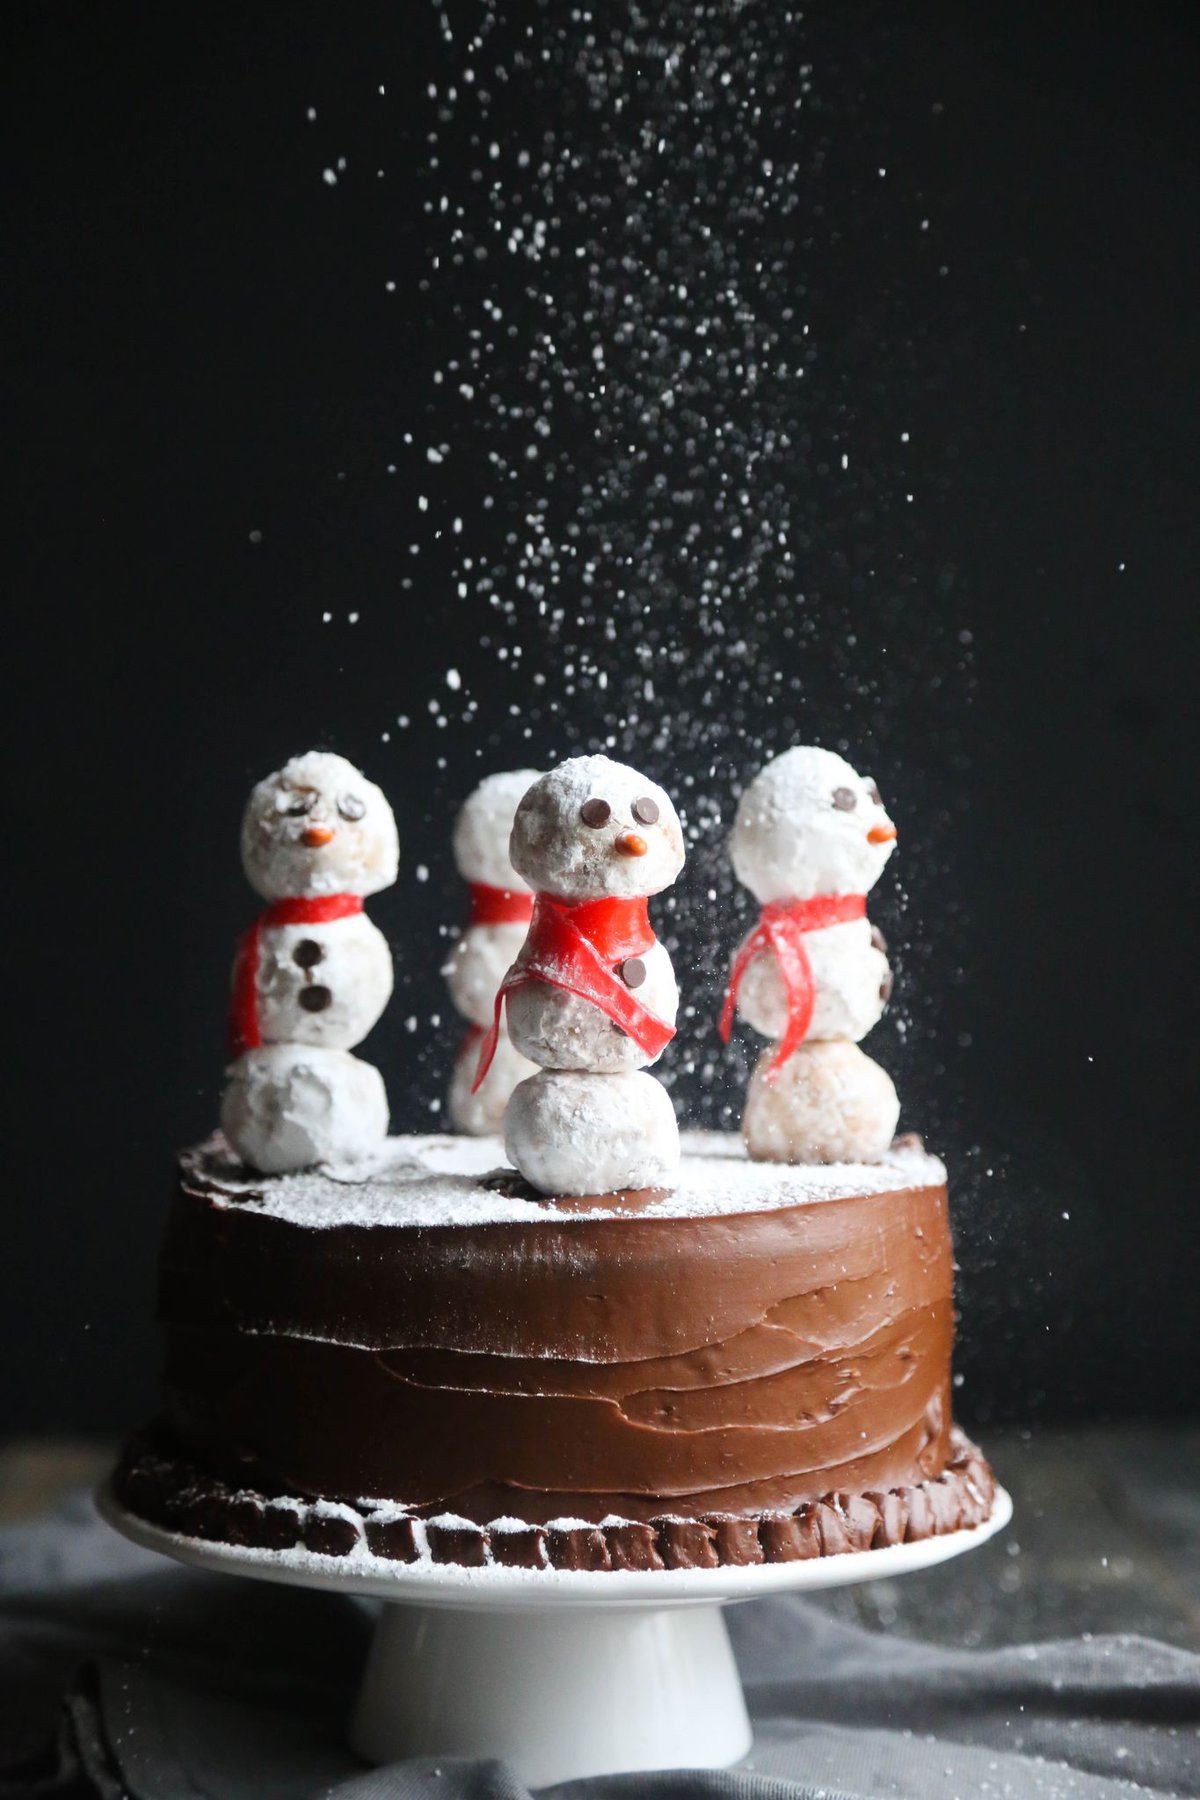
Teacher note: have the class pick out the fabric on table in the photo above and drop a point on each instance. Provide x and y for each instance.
(122, 1675)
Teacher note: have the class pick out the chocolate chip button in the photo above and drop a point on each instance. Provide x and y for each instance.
(885, 988)
(878, 939)
(845, 799)
(645, 810)
(315, 999)
(308, 953)
(633, 971)
(595, 812)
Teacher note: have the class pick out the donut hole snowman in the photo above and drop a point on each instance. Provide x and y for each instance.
(313, 974)
(810, 839)
(501, 908)
(592, 998)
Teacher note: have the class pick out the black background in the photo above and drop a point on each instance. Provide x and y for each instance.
(204, 347)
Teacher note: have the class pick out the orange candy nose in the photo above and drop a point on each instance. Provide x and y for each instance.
(631, 844)
(315, 836)
(881, 834)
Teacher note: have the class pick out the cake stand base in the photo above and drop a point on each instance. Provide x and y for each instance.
(560, 1673)
(558, 1695)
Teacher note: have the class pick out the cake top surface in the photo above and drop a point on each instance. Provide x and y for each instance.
(438, 1180)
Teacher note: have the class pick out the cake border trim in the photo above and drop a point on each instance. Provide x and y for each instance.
(175, 1494)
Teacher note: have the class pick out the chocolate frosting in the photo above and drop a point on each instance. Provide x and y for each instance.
(581, 1366)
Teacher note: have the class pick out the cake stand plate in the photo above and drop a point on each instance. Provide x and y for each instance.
(560, 1673)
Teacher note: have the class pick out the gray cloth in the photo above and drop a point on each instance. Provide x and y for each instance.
(124, 1675)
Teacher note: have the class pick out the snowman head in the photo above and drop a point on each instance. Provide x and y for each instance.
(318, 826)
(808, 825)
(484, 826)
(593, 829)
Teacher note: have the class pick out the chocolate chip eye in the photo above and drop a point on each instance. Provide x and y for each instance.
(875, 794)
(645, 810)
(845, 799)
(595, 812)
(351, 807)
(296, 805)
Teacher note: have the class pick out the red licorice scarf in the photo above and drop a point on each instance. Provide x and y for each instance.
(244, 1030)
(499, 906)
(575, 948)
(781, 928)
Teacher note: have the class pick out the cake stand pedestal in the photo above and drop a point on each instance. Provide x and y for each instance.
(559, 1673)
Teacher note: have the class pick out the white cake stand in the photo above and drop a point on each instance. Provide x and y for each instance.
(560, 1673)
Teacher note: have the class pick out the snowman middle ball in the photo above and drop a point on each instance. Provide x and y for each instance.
(851, 984)
(558, 1030)
(347, 965)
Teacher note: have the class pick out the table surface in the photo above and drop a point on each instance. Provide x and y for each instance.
(1105, 1539)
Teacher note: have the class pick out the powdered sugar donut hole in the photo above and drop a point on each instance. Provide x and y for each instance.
(592, 828)
(482, 1114)
(592, 1134)
(851, 981)
(484, 826)
(318, 826)
(288, 1106)
(476, 966)
(829, 1103)
(322, 983)
(558, 1030)
(808, 824)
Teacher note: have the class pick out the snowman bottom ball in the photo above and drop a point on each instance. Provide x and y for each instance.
(289, 1106)
(570, 1132)
(482, 1114)
(829, 1103)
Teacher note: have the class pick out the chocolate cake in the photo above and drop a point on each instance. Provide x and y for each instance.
(431, 1360)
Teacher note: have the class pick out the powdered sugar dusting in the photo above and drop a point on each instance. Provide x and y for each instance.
(427, 1181)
